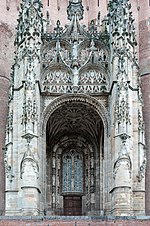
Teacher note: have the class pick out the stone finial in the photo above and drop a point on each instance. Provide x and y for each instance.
(75, 8)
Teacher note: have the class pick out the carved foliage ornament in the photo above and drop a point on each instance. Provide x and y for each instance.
(122, 111)
(121, 21)
(31, 13)
(9, 125)
(141, 121)
(29, 111)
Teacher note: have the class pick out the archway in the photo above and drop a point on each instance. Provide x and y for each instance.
(74, 153)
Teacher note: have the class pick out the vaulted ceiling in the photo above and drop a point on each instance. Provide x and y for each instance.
(74, 119)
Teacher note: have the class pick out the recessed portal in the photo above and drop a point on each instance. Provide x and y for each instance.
(75, 136)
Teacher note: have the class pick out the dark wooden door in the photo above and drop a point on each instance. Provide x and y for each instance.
(72, 205)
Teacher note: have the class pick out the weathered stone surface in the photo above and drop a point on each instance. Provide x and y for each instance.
(123, 148)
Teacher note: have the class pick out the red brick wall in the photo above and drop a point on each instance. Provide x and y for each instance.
(146, 112)
(75, 223)
(144, 47)
(144, 54)
(3, 113)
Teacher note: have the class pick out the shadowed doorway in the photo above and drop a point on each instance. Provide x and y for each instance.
(75, 140)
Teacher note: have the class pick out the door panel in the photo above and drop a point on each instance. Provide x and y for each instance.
(72, 205)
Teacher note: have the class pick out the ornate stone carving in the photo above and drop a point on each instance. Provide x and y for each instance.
(8, 167)
(142, 168)
(8, 156)
(75, 82)
(56, 103)
(141, 146)
(141, 126)
(75, 8)
(75, 50)
(122, 22)
(32, 15)
(91, 81)
(122, 33)
(9, 126)
(122, 112)
(29, 112)
(77, 118)
(28, 42)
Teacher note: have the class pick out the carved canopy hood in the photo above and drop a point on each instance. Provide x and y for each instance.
(75, 58)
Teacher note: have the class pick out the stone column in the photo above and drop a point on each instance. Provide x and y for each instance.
(121, 193)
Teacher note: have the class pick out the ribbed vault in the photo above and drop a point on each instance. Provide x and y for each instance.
(74, 119)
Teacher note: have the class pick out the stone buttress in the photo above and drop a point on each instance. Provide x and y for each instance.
(128, 190)
(21, 150)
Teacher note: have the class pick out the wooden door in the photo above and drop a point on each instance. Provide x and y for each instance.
(72, 205)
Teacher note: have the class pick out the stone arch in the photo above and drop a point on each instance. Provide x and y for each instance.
(96, 105)
(101, 111)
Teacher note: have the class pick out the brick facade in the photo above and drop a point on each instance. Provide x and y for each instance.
(144, 50)
(4, 83)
